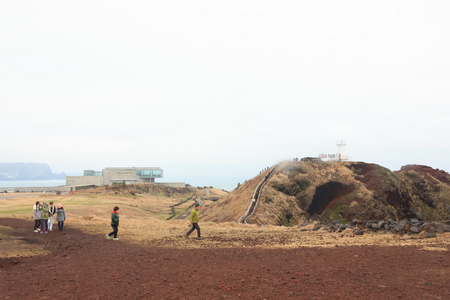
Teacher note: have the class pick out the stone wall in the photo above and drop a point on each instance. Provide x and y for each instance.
(172, 184)
(84, 180)
(47, 189)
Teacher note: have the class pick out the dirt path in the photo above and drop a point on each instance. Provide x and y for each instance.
(89, 266)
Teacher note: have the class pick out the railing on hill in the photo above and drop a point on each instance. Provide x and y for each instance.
(255, 199)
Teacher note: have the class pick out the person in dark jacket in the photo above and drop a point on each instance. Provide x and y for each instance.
(60, 216)
(114, 223)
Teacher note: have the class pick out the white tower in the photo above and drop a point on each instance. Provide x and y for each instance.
(341, 150)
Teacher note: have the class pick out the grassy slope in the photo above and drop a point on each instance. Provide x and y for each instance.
(352, 190)
(233, 205)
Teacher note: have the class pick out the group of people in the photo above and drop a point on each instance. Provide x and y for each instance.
(43, 214)
(265, 169)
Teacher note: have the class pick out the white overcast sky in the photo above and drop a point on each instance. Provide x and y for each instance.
(223, 88)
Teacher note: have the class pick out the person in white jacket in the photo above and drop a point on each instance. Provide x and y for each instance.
(51, 213)
(36, 216)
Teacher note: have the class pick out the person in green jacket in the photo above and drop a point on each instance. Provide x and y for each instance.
(194, 222)
(44, 217)
(114, 223)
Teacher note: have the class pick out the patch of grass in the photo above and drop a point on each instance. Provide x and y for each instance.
(285, 218)
(336, 213)
(268, 200)
(17, 211)
(5, 231)
(128, 196)
(163, 217)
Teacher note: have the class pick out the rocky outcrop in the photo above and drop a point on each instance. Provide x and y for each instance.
(301, 191)
(358, 227)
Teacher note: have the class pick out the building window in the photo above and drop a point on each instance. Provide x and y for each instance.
(156, 173)
(92, 173)
(148, 173)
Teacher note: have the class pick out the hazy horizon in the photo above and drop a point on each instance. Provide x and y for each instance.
(223, 89)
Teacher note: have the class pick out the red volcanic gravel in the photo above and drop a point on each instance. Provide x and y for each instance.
(89, 266)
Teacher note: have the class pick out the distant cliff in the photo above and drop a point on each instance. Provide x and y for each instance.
(28, 171)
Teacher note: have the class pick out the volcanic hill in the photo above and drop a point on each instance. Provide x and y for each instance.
(296, 192)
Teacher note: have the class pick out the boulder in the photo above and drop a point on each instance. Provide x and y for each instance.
(429, 228)
(430, 235)
(358, 231)
(414, 229)
(446, 228)
(399, 227)
(403, 223)
(415, 221)
(419, 215)
(439, 228)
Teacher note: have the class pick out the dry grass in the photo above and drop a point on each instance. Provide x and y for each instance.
(232, 206)
(141, 221)
(13, 245)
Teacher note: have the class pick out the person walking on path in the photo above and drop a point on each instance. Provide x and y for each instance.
(60, 216)
(194, 222)
(51, 213)
(37, 216)
(44, 217)
(114, 223)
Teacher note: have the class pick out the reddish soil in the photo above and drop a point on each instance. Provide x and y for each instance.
(89, 266)
(429, 173)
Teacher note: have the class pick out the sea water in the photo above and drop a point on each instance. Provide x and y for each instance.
(31, 183)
